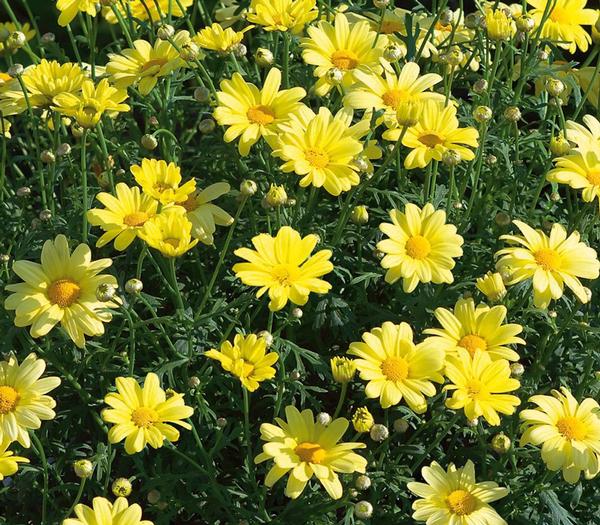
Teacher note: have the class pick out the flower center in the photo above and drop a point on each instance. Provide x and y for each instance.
(283, 274)
(344, 60)
(395, 368)
(547, 258)
(394, 97)
(388, 27)
(571, 428)
(461, 502)
(316, 158)
(441, 27)
(191, 203)
(172, 241)
(161, 186)
(144, 417)
(474, 388)
(63, 292)
(431, 140)
(242, 368)
(153, 65)
(9, 398)
(559, 14)
(418, 247)
(310, 452)
(90, 109)
(594, 178)
(136, 218)
(261, 115)
(472, 343)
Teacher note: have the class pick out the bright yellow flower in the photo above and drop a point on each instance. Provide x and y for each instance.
(564, 21)
(396, 368)
(552, 262)
(23, 400)
(584, 137)
(88, 107)
(144, 10)
(247, 359)
(9, 463)
(342, 369)
(103, 512)
(475, 328)
(70, 8)
(362, 420)
(251, 113)
(169, 232)
(123, 216)
(480, 385)
(283, 15)
(10, 27)
(499, 26)
(215, 38)
(343, 46)
(62, 289)
(437, 132)
(162, 181)
(568, 431)
(492, 286)
(453, 496)
(420, 247)
(283, 267)
(303, 448)
(144, 415)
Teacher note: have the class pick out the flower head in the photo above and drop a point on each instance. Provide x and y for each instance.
(492, 286)
(342, 369)
(499, 26)
(362, 420)
(215, 38)
(144, 10)
(283, 15)
(584, 137)
(9, 463)
(162, 181)
(103, 512)
(70, 8)
(169, 232)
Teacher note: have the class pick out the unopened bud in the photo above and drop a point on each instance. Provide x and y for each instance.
(512, 114)
(189, 52)
(83, 468)
(105, 292)
(47, 157)
(153, 497)
(201, 94)
(267, 336)
(134, 286)
(517, 369)
(16, 70)
(394, 52)
(559, 145)
(48, 38)
(501, 443)
(400, 426)
(45, 215)
(363, 482)
(335, 75)
(121, 487)
(165, 31)
(248, 188)
(379, 432)
(276, 196)
(482, 114)
(363, 510)
(24, 191)
(206, 126)
(194, 382)
(264, 57)
(295, 375)
(323, 418)
(480, 86)
(63, 149)
(554, 87)
(502, 219)
(149, 142)
(239, 50)
(525, 23)
(359, 215)
(451, 157)
(221, 422)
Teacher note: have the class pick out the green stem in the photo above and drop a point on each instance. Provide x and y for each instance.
(341, 400)
(84, 186)
(77, 498)
(247, 437)
(40, 451)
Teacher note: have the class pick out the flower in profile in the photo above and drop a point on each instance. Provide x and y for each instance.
(247, 359)
(10, 28)
(162, 181)
(283, 267)
(283, 15)
(169, 232)
(437, 132)
(480, 385)
(342, 369)
(144, 415)
(303, 448)
(62, 289)
(584, 137)
(23, 400)
(9, 463)
(70, 8)
(343, 47)
(475, 328)
(123, 216)
(454, 496)
(396, 368)
(251, 113)
(498, 25)
(88, 107)
(103, 512)
(143, 10)
(551, 262)
(568, 431)
(420, 247)
(492, 286)
(362, 420)
(215, 38)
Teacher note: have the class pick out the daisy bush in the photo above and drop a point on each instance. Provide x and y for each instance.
(299, 262)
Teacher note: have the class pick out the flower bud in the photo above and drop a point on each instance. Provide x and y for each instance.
(451, 157)
(221, 422)
(63, 149)
(559, 145)
(517, 369)
(264, 57)
(276, 196)
(248, 188)
(297, 313)
(165, 31)
(207, 126)
(490, 159)
(45, 215)
(153, 497)
(502, 219)
(295, 375)
(201, 94)
(492, 286)
(335, 75)
(324, 418)
(543, 55)
(121, 487)
(134, 286)
(267, 336)
(47, 157)
(359, 215)
(381, 4)
(361, 164)
(553, 314)
(23, 191)
(554, 87)
(473, 20)
(194, 382)
(394, 52)
(106, 292)
(239, 50)
(363, 482)
(17, 40)
(363, 510)
(512, 114)
(499, 26)
(400, 426)
(76, 130)
(190, 52)
(555, 196)
(83, 468)
(362, 420)
(501, 443)
(480, 86)
(473, 422)
(407, 113)
(16, 70)
(342, 369)
(48, 38)
(482, 114)
(4, 258)
(446, 17)
(379, 432)
(454, 56)
(149, 142)
(525, 23)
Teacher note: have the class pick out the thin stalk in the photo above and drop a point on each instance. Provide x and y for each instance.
(343, 392)
(39, 448)
(84, 186)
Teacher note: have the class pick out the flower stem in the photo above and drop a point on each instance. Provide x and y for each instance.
(39, 448)
(77, 498)
(340, 404)
(84, 186)
(247, 428)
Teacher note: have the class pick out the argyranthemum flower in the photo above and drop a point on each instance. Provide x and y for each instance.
(396, 368)
(251, 113)
(162, 181)
(247, 359)
(568, 431)
(587, 136)
(216, 38)
(123, 216)
(551, 262)
(475, 328)
(10, 28)
(283, 267)
(480, 385)
(492, 286)
(342, 46)
(453, 496)
(436, 132)
(62, 289)
(169, 232)
(23, 400)
(9, 463)
(88, 107)
(103, 512)
(69, 9)
(564, 21)
(303, 448)
(143, 10)
(420, 247)
(283, 15)
(144, 415)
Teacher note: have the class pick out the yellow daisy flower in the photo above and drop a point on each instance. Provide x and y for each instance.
(568, 431)
(215, 38)
(587, 136)
(162, 181)
(475, 328)
(103, 512)
(9, 463)
(342, 46)
(396, 368)
(10, 28)
(251, 113)
(143, 10)
(283, 15)
(480, 385)
(88, 107)
(23, 400)
(247, 359)
(62, 289)
(69, 9)
(144, 415)
(492, 286)
(454, 496)
(303, 448)
(551, 262)
(436, 132)
(420, 247)
(123, 215)
(283, 266)
(169, 232)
